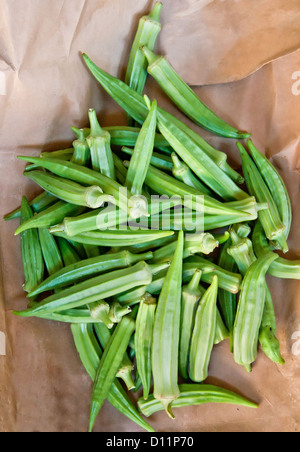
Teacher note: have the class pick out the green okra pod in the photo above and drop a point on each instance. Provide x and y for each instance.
(160, 161)
(69, 191)
(140, 160)
(73, 316)
(117, 238)
(99, 142)
(52, 215)
(281, 268)
(64, 154)
(82, 153)
(68, 253)
(195, 394)
(51, 253)
(250, 311)
(143, 341)
(186, 99)
(269, 218)
(84, 269)
(222, 332)
(204, 333)
(147, 33)
(275, 184)
(90, 354)
(183, 173)
(32, 257)
(191, 294)
(109, 365)
(38, 204)
(126, 368)
(93, 289)
(166, 333)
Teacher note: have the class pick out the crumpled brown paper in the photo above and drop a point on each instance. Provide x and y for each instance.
(45, 89)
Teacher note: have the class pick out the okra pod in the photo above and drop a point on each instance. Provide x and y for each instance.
(64, 154)
(250, 311)
(109, 365)
(51, 253)
(166, 333)
(50, 216)
(87, 268)
(191, 294)
(99, 311)
(90, 354)
(99, 142)
(93, 289)
(222, 332)
(82, 153)
(72, 316)
(275, 184)
(270, 218)
(281, 268)
(143, 341)
(68, 253)
(183, 173)
(204, 333)
(195, 394)
(186, 99)
(32, 257)
(147, 33)
(160, 161)
(116, 238)
(39, 203)
(69, 191)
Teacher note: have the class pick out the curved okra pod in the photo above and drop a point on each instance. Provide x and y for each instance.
(195, 394)
(93, 289)
(270, 218)
(109, 365)
(99, 142)
(117, 238)
(166, 333)
(32, 257)
(241, 250)
(82, 153)
(147, 33)
(186, 99)
(134, 104)
(51, 253)
(68, 253)
(69, 191)
(204, 333)
(191, 294)
(250, 311)
(275, 184)
(87, 268)
(38, 204)
(281, 268)
(50, 216)
(90, 354)
(140, 160)
(126, 368)
(143, 341)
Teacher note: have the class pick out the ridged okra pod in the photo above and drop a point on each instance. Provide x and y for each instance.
(82, 153)
(191, 294)
(134, 104)
(99, 142)
(281, 268)
(90, 354)
(250, 311)
(186, 99)
(163, 162)
(269, 218)
(142, 153)
(109, 365)
(85, 269)
(32, 257)
(204, 332)
(195, 394)
(166, 333)
(51, 216)
(126, 368)
(38, 204)
(183, 173)
(69, 191)
(68, 253)
(147, 33)
(275, 184)
(143, 339)
(93, 289)
(222, 332)
(51, 253)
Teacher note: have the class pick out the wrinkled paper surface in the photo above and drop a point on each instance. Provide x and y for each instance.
(247, 52)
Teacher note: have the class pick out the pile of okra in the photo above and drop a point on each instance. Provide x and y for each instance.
(148, 299)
